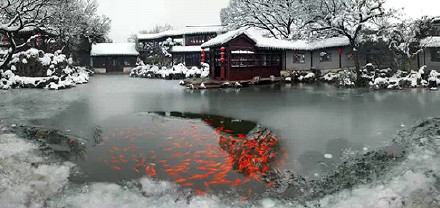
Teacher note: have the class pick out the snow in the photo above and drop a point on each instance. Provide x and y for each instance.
(108, 49)
(178, 71)
(380, 81)
(27, 181)
(309, 76)
(330, 77)
(182, 49)
(272, 43)
(430, 42)
(242, 52)
(328, 156)
(188, 30)
(70, 76)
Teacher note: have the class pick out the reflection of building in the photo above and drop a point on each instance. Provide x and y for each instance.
(113, 57)
(184, 43)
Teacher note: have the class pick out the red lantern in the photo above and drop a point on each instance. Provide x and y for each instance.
(203, 55)
(203, 51)
(340, 51)
(222, 49)
(222, 53)
(222, 59)
(203, 60)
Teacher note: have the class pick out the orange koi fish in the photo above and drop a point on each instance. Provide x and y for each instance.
(197, 176)
(116, 167)
(188, 184)
(237, 181)
(200, 192)
(269, 184)
(241, 136)
(182, 180)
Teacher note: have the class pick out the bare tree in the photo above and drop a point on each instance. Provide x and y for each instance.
(16, 15)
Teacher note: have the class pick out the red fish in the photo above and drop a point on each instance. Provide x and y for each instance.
(200, 192)
(188, 184)
(269, 184)
(241, 136)
(116, 167)
(182, 180)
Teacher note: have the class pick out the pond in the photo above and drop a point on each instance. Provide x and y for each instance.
(156, 128)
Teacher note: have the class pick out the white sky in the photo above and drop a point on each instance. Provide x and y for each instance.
(131, 16)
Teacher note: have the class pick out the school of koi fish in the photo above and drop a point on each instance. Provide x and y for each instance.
(201, 156)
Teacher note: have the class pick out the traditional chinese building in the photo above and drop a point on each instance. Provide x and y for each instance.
(184, 44)
(113, 57)
(245, 54)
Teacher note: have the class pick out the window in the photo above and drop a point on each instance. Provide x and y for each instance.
(255, 60)
(243, 60)
(299, 58)
(325, 56)
(195, 40)
(435, 55)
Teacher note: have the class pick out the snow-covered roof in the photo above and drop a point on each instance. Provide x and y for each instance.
(272, 43)
(430, 42)
(188, 30)
(108, 49)
(30, 29)
(182, 49)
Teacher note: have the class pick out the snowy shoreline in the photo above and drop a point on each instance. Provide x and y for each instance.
(383, 178)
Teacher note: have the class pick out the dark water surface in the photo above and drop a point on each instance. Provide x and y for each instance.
(309, 121)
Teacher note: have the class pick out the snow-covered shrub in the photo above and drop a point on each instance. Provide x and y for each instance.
(381, 83)
(302, 76)
(433, 79)
(330, 77)
(346, 78)
(178, 71)
(42, 70)
(205, 70)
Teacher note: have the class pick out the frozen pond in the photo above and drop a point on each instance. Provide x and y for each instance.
(315, 125)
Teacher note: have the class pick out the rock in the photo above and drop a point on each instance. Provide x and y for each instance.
(238, 85)
(53, 141)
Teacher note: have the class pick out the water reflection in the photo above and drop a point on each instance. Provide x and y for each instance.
(204, 152)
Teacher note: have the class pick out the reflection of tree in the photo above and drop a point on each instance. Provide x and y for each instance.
(97, 136)
(236, 126)
(252, 154)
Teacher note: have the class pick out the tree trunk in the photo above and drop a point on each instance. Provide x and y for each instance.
(11, 51)
(357, 64)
